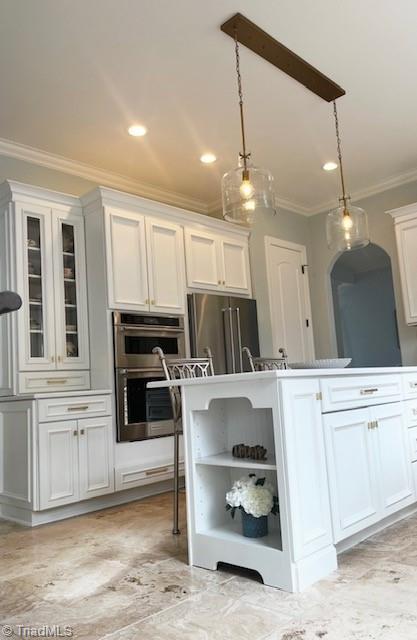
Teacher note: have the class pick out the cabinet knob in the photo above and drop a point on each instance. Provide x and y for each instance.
(59, 358)
(153, 302)
(224, 281)
(75, 432)
(82, 431)
(219, 281)
(52, 358)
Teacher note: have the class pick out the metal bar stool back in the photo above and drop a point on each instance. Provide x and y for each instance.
(177, 369)
(267, 364)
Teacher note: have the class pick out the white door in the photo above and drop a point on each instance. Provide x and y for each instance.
(234, 260)
(352, 470)
(406, 233)
(126, 261)
(165, 266)
(393, 454)
(58, 463)
(70, 280)
(96, 457)
(289, 299)
(36, 320)
(202, 261)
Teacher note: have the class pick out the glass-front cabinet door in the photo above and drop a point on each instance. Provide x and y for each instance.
(71, 295)
(37, 350)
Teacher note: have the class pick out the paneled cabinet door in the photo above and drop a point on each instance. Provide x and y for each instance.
(391, 438)
(165, 266)
(202, 260)
(35, 284)
(406, 233)
(352, 470)
(58, 463)
(70, 292)
(126, 261)
(234, 260)
(95, 438)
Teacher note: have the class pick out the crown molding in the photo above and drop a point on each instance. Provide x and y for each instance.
(152, 192)
(98, 176)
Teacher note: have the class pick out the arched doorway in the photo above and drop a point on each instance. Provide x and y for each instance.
(364, 308)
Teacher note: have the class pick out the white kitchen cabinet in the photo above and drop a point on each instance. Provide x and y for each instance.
(95, 438)
(217, 262)
(126, 261)
(352, 472)
(390, 431)
(369, 466)
(58, 464)
(44, 241)
(145, 263)
(75, 460)
(165, 266)
(405, 221)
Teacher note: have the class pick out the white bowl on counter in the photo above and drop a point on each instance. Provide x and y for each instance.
(329, 363)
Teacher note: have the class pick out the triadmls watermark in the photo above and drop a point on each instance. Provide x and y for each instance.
(43, 631)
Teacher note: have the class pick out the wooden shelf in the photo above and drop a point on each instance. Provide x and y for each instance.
(232, 532)
(226, 459)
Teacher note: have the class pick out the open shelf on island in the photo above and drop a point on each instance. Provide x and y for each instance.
(232, 532)
(225, 459)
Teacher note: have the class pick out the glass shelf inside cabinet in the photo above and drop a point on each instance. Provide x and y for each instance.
(35, 290)
(70, 291)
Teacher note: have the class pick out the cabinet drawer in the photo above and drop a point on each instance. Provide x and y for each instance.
(44, 381)
(53, 409)
(129, 477)
(410, 385)
(410, 407)
(412, 438)
(348, 392)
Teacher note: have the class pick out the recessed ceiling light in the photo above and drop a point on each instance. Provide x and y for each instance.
(330, 166)
(137, 130)
(208, 158)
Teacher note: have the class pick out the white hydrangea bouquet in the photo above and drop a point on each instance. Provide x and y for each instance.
(254, 497)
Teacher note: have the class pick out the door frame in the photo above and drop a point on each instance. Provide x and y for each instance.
(271, 241)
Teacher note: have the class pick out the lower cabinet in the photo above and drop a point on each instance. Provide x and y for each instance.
(75, 461)
(369, 466)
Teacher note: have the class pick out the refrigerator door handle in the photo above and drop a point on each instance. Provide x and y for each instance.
(232, 339)
(239, 339)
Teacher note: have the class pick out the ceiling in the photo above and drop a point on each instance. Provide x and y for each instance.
(75, 74)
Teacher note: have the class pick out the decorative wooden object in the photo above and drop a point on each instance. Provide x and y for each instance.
(258, 452)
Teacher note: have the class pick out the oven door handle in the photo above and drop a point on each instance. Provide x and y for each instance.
(158, 331)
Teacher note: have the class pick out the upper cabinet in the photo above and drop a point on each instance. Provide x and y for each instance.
(145, 263)
(405, 221)
(44, 245)
(217, 261)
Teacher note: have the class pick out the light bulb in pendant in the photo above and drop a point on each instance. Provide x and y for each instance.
(347, 222)
(246, 189)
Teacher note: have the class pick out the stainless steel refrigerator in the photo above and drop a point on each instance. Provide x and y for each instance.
(225, 325)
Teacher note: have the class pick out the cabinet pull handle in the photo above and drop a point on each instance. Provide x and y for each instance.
(219, 281)
(154, 472)
(413, 385)
(365, 392)
(224, 281)
(147, 301)
(75, 432)
(52, 358)
(414, 412)
(81, 407)
(153, 302)
(57, 381)
(59, 358)
(82, 432)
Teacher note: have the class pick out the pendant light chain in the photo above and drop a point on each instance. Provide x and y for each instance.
(339, 153)
(245, 156)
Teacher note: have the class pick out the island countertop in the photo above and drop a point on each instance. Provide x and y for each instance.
(284, 374)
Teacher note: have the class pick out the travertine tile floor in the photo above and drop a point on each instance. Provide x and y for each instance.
(119, 574)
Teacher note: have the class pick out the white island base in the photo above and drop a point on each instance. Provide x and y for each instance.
(316, 426)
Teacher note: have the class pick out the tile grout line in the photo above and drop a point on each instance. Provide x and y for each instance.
(157, 613)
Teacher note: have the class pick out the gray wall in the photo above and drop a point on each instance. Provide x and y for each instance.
(322, 259)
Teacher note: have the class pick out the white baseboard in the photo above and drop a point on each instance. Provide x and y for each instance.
(35, 518)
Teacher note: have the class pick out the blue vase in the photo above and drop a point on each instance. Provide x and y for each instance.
(254, 527)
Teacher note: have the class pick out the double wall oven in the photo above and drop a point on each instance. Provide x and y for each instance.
(143, 413)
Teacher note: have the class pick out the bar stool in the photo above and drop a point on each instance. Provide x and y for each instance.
(176, 369)
(267, 364)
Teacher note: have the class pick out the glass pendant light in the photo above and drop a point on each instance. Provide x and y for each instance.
(246, 188)
(346, 226)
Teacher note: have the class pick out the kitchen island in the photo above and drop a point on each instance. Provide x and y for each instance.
(341, 455)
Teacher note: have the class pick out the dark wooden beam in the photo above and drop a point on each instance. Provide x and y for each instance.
(260, 42)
